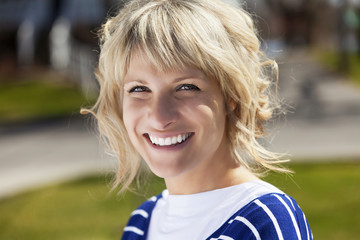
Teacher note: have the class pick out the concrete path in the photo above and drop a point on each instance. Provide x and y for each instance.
(325, 123)
(323, 119)
(48, 153)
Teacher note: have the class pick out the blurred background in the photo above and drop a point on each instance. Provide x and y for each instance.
(54, 176)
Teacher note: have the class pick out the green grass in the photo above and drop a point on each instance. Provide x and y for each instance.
(84, 209)
(331, 60)
(328, 194)
(38, 97)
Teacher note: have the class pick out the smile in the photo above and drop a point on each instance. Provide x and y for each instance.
(169, 141)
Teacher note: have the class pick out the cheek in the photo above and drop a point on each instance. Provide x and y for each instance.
(126, 115)
(206, 115)
(214, 122)
(209, 120)
(130, 117)
(209, 112)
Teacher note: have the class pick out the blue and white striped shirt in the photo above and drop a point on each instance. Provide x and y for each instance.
(270, 216)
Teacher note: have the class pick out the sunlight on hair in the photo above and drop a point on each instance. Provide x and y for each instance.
(212, 36)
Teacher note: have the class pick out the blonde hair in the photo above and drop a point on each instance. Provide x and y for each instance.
(211, 36)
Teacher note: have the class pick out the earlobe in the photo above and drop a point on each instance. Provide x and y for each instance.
(231, 105)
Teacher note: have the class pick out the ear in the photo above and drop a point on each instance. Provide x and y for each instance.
(231, 105)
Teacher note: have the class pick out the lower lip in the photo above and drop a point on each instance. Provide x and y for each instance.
(170, 147)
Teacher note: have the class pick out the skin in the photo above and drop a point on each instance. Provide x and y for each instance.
(167, 104)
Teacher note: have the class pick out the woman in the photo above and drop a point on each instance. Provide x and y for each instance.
(183, 88)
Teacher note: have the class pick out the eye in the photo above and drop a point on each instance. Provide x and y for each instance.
(187, 87)
(139, 89)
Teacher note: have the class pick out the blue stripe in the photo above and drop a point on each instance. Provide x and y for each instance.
(251, 222)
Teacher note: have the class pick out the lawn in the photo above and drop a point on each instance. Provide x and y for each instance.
(84, 209)
(38, 96)
(331, 60)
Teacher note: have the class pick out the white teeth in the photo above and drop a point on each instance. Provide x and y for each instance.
(169, 140)
(179, 139)
(154, 140)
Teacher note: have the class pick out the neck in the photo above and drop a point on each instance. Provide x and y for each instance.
(216, 175)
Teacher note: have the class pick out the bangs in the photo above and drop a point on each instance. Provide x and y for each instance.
(161, 36)
(207, 35)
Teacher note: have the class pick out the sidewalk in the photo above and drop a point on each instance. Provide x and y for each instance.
(49, 153)
(324, 118)
(325, 123)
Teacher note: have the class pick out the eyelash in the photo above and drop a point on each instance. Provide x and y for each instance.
(182, 87)
(189, 87)
(143, 89)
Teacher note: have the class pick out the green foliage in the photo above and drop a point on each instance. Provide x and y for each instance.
(328, 193)
(34, 98)
(331, 59)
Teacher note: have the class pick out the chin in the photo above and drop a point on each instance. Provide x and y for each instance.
(166, 171)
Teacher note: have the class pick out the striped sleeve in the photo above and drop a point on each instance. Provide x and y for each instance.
(272, 216)
(138, 223)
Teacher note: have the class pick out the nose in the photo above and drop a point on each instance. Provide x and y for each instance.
(163, 111)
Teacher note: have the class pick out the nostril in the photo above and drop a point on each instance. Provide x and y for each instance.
(163, 113)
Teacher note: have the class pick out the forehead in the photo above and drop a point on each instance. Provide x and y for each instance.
(141, 67)
(140, 54)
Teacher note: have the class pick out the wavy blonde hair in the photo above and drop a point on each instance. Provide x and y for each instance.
(211, 36)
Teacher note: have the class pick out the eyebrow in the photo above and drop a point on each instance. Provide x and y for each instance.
(135, 80)
(179, 79)
(201, 76)
(175, 80)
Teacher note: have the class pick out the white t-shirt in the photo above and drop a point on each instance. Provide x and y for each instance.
(197, 216)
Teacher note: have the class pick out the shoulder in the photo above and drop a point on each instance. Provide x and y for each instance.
(138, 223)
(277, 215)
(271, 216)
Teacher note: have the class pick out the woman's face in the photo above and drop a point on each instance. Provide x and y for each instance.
(175, 120)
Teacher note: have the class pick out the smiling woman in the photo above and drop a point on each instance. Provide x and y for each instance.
(182, 104)
(184, 90)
